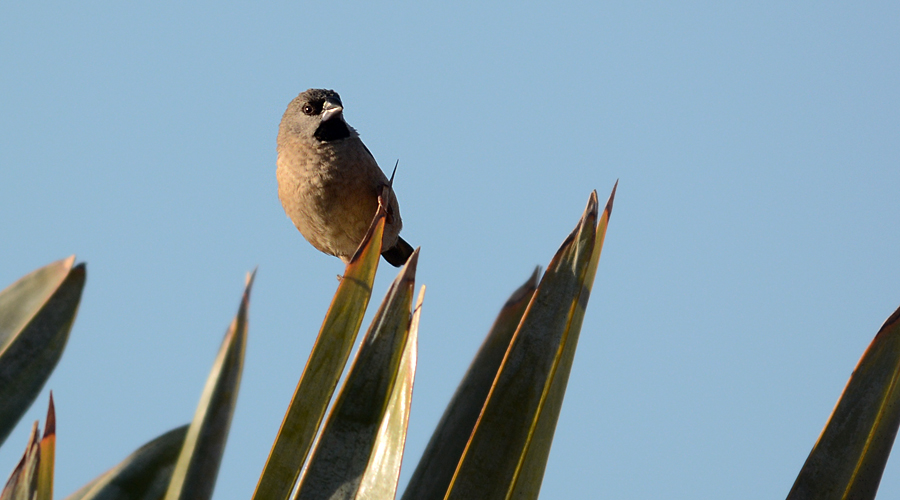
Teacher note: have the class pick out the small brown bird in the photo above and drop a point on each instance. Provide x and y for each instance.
(329, 182)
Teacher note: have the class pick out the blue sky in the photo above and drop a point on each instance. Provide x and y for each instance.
(748, 262)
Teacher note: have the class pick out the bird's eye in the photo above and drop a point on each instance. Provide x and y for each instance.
(307, 109)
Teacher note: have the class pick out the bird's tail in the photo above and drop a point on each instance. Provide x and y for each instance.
(398, 254)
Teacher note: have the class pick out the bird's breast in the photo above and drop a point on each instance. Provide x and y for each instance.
(330, 191)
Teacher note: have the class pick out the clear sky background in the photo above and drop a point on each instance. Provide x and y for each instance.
(751, 257)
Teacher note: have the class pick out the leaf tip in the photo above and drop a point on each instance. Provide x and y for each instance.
(409, 269)
(79, 270)
(248, 281)
(421, 296)
(526, 290)
(535, 276)
(612, 197)
(592, 208)
(50, 424)
(35, 430)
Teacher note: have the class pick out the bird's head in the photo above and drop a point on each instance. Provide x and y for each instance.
(318, 114)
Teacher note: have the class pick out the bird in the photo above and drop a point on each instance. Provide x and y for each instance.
(329, 182)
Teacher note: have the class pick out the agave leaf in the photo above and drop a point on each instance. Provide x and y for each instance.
(383, 471)
(143, 475)
(47, 455)
(36, 314)
(345, 446)
(507, 451)
(32, 479)
(323, 370)
(440, 458)
(22, 483)
(528, 483)
(195, 472)
(848, 459)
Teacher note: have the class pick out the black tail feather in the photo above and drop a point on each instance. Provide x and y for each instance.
(398, 254)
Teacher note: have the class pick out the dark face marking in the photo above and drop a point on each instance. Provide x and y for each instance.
(314, 105)
(332, 130)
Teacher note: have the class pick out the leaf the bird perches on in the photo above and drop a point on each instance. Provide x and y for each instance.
(323, 370)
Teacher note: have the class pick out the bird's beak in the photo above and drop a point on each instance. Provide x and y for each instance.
(332, 109)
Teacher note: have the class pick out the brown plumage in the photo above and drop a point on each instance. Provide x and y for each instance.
(329, 182)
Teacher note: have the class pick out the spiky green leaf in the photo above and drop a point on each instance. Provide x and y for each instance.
(848, 459)
(345, 446)
(440, 458)
(507, 451)
(383, 471)
(323, 370)
(194, 477)
(143, 475)
(47, 455)
(36, 314)
(22, 483)
(32, 479)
